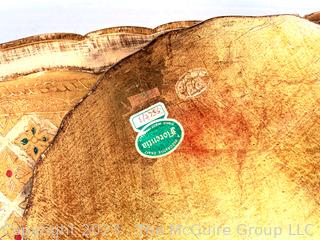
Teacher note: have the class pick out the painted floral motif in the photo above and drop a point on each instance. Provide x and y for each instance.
(13, 229)
(14, 175)
(34, 140)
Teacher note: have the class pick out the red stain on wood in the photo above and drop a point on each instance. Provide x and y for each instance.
(215, 130)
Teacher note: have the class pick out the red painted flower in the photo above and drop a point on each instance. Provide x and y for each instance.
(18, 237)
(9, 173)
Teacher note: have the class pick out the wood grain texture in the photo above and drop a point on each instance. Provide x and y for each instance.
(48, 91)
(93, 52)
(250, 153)
(33, 105)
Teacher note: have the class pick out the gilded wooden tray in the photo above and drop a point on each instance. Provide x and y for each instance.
(41, 79)
(246, 91)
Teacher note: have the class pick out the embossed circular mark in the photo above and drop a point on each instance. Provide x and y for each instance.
(192, 83)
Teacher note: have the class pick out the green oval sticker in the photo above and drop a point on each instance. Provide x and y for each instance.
(159, 138)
